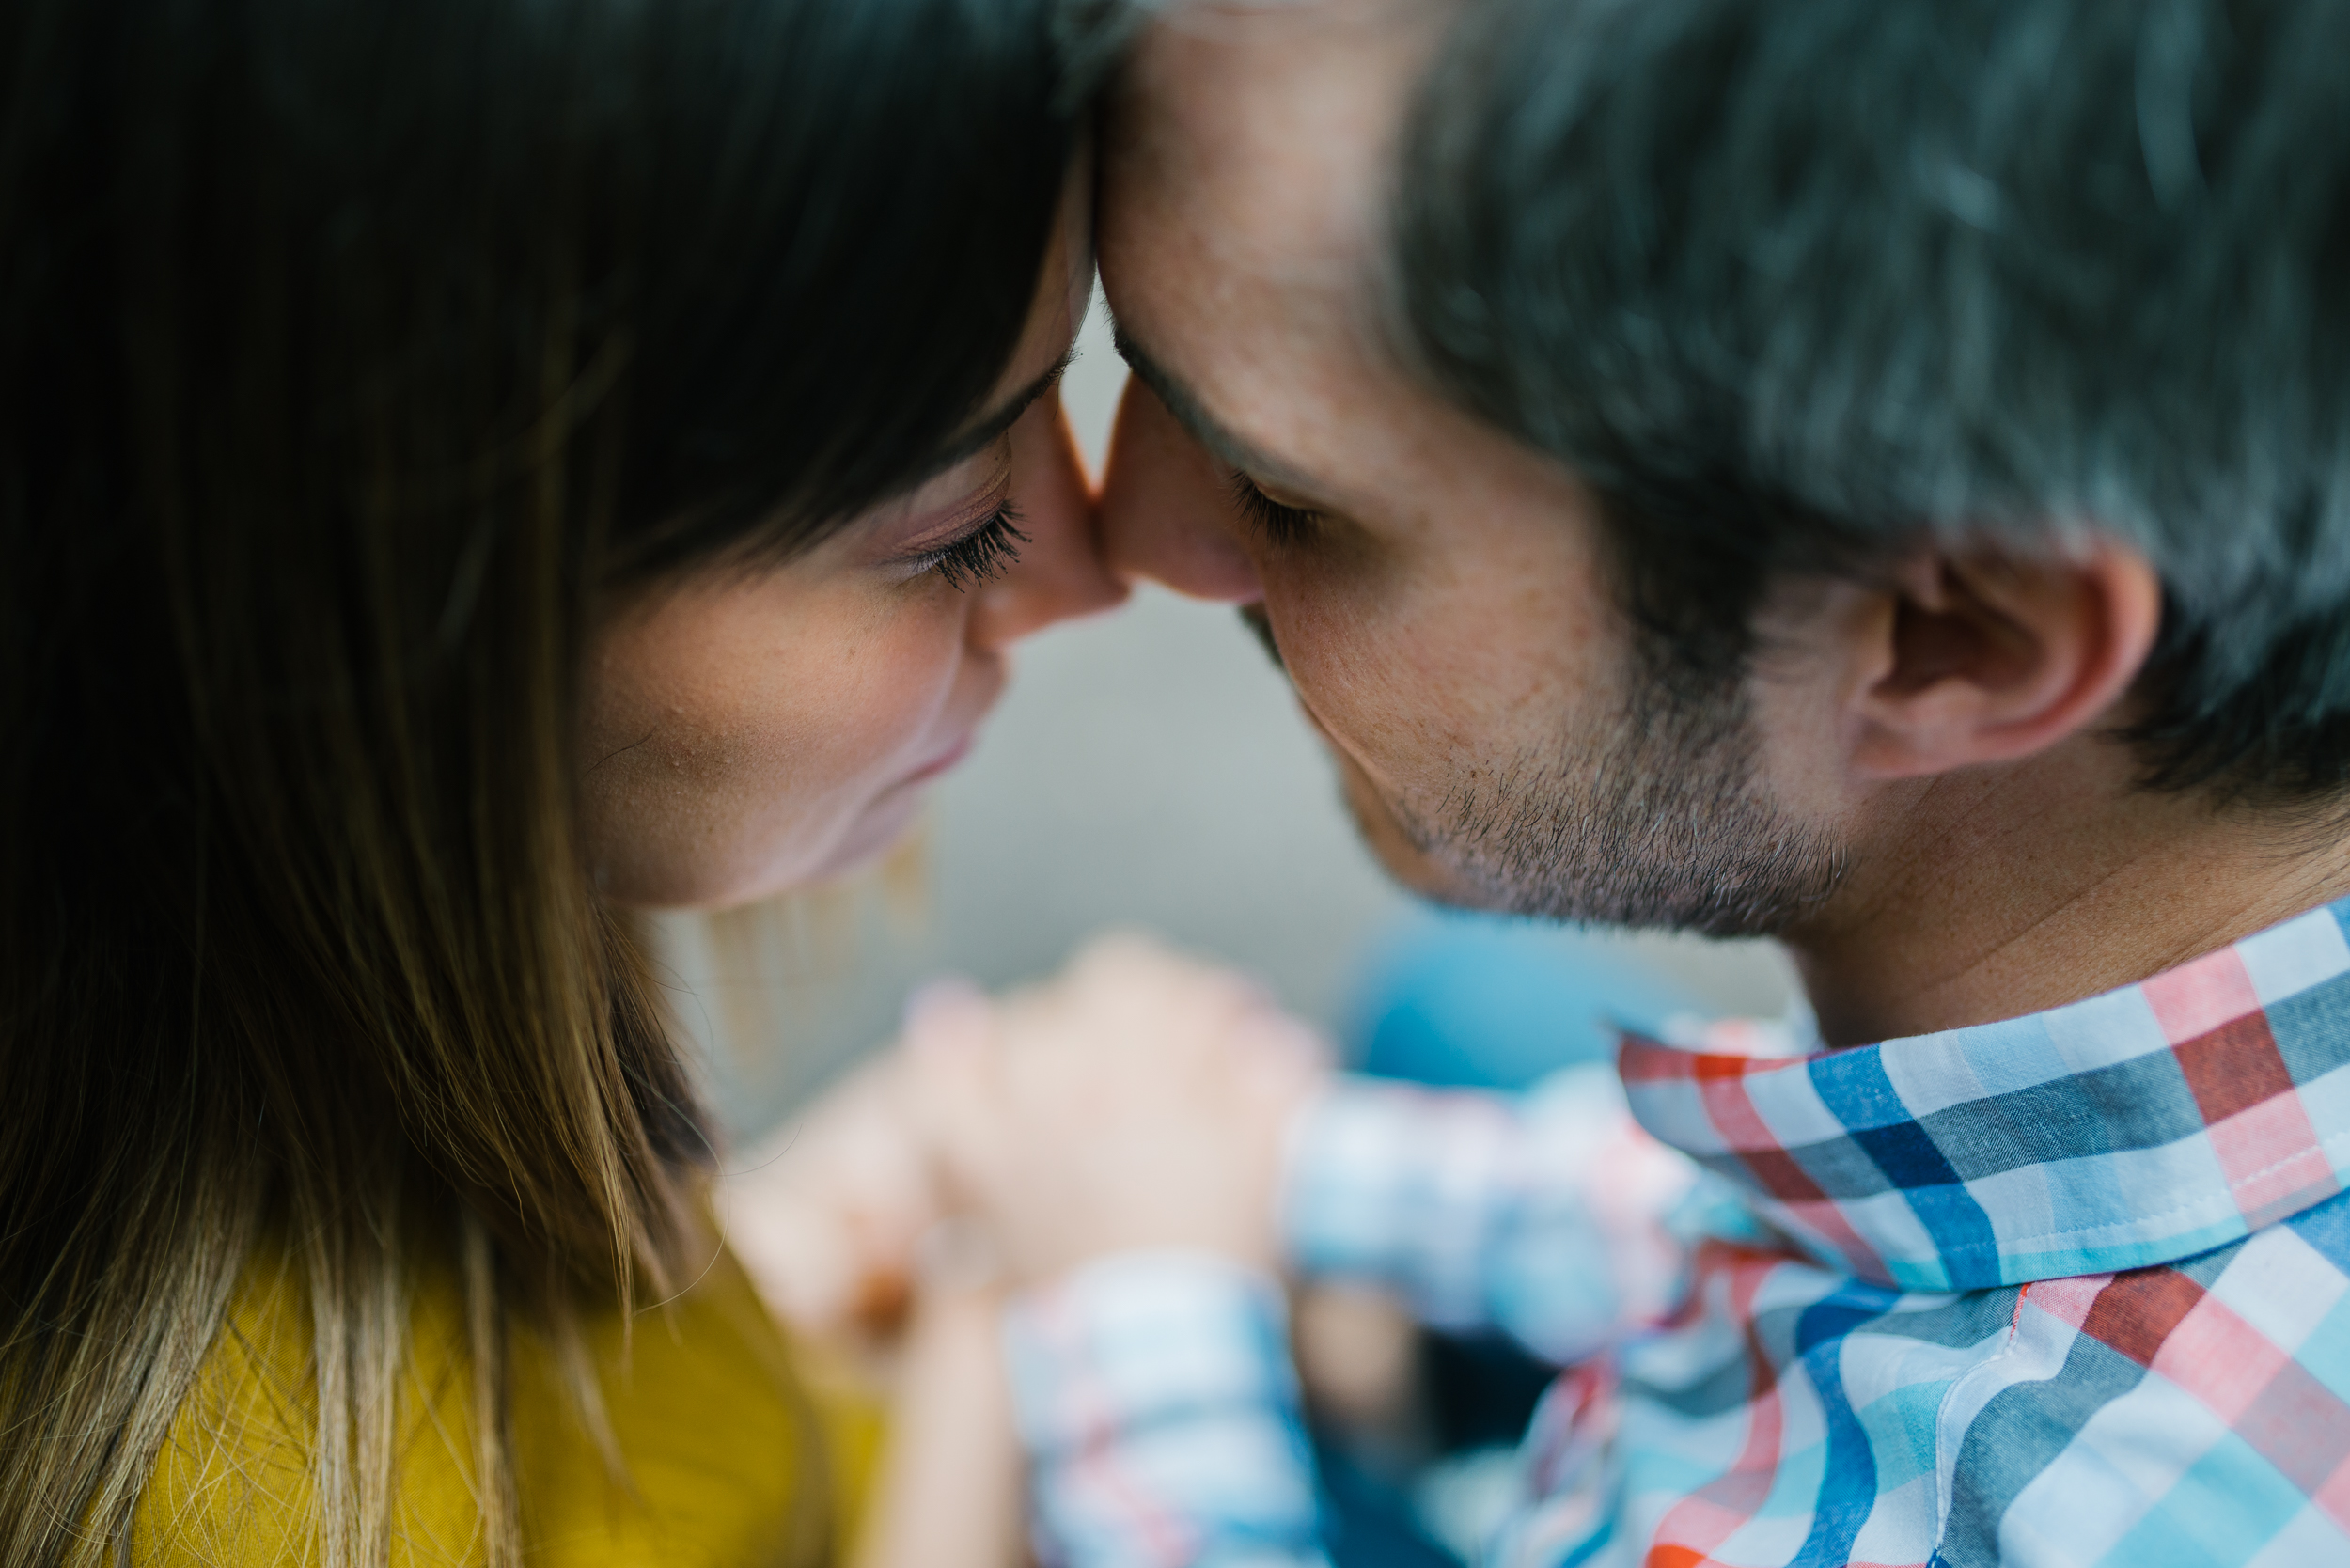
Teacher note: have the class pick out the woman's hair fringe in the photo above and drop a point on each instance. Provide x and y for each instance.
(352, 358)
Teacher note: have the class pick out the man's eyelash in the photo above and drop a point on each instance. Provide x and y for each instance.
(1279, 523)
(982, 555)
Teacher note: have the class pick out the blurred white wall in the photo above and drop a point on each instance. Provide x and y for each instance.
(1147, 769)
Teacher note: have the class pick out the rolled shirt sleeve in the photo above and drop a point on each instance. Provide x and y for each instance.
(1160, 1412)
(1547, 1215)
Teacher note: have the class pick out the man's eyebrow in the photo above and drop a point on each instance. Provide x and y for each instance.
(1227, 447)
(990, 429)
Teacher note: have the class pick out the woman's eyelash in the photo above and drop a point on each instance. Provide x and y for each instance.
(1279, 523)
(982, 555)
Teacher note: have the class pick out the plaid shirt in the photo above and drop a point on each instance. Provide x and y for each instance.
(2071, 1289)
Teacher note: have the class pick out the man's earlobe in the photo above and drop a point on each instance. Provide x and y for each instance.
(1984, 655)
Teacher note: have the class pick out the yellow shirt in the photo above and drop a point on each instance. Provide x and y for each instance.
(730, 1459)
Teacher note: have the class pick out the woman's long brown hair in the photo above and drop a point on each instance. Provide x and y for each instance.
(352, 354)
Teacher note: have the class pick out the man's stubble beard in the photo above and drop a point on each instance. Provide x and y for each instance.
(1666, 826)
(1660, 822)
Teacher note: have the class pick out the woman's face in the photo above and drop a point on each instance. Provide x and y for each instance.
(747, 731)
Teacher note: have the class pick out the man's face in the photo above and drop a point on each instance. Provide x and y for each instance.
(1437, 591)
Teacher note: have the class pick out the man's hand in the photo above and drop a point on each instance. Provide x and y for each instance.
(1138, 1102)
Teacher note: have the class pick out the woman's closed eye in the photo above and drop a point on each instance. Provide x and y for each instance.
(1276, 522)
(979, 556)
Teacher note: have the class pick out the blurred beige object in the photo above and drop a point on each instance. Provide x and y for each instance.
(951, 1484)
(1138, 1102)
(836, 1222)
(828, 1215)
(1358, 1354)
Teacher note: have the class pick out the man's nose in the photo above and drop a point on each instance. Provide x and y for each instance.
(1166, 508)
(1061, 572)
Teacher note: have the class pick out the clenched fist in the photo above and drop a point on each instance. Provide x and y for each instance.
(1139, 1101)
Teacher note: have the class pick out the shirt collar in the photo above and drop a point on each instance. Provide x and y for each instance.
(2139, 1127)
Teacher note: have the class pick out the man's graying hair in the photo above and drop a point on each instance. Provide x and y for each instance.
(1798, 286)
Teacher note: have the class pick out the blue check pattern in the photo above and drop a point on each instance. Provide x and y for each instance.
(2071, 1289)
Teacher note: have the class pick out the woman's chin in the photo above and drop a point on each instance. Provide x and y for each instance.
(873, 833)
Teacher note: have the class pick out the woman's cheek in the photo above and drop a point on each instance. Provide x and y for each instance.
(915, 663)
(751, 729)
(873, 718)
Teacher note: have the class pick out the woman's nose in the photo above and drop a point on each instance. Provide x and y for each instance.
(1060, 573)
(1166, 508)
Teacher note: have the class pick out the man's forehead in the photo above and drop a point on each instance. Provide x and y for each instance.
(1242, 202)
(1266, 131)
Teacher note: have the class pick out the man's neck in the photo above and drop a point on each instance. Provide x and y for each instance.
(2003, 892)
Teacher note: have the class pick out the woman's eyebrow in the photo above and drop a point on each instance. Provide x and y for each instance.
(988, 431)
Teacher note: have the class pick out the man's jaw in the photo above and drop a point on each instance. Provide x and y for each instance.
(1408, 852)
(1404, 846)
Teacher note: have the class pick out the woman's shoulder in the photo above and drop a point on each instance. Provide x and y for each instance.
(731, 1453)
(702, 1442)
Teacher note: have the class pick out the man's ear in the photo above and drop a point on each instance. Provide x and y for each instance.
(1986, 656)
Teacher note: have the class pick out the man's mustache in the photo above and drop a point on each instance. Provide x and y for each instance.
(1254, 618)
